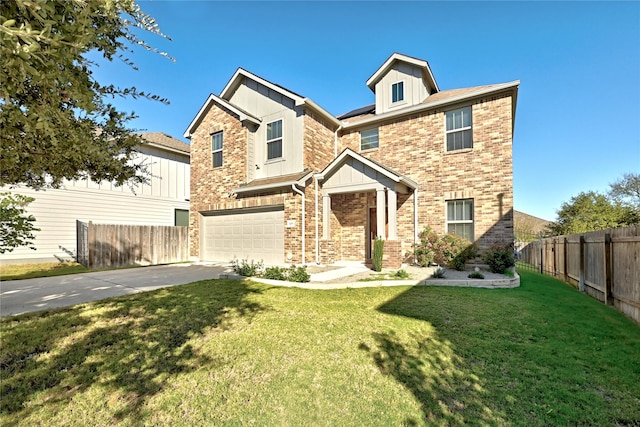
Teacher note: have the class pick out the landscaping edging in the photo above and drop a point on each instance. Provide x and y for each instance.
(512, 282)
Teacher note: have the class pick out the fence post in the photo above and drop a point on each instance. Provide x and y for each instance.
(541, 254)
(581, 281)
(555, 256)
(565, 259)
(608, 276)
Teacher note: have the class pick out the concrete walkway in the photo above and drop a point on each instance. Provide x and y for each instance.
(24, 296)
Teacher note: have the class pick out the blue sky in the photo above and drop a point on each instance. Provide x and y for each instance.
(578, 114)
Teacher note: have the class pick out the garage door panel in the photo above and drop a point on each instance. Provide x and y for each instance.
(251, 235)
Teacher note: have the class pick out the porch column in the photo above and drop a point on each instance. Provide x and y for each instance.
(392, 202)
(326, 216)
(380, 212)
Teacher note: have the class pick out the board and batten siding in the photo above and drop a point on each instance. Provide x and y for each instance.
(270, 106)
(56, 210)
(414, 89)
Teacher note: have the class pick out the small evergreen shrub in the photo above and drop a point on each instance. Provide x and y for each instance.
(476, 275)
(439, 273)
(298, 274)
(378, 251)
(499, 258)
(247, 268)
(274, 273)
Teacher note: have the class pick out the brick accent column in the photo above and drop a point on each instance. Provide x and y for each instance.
(327, 251)
(392, 257)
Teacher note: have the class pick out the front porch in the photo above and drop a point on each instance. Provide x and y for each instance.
(360, 201)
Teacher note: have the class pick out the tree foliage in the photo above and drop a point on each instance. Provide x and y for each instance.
(56, 119)
(591, 211)
(16, 225)
(626, 190)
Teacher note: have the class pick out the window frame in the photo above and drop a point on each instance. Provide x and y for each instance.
(377, 131)
(273, 140)
(215, 151)
(460, 130)
(456, 221)
(393, 92)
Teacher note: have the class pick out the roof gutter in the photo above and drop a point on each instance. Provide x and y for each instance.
(273, 186)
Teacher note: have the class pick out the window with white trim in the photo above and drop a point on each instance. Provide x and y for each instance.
(274, 140)
(216, 149)
(369, 139)
(460, 218)
(397, 92)
(459, 132)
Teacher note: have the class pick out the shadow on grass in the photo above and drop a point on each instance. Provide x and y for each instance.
(130, 346)
(541, 354)
(426, 365)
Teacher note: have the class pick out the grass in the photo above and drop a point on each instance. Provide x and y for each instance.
(225, 352)
(32, 271)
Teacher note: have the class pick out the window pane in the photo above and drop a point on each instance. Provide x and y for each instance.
(397, 92)
(274, 130)
(457, 119)
(451, 215)
(459, 206)
(468, 210)
(274, 149)
(467, 140)
(217, 159)
(466, 122)
(369, 139)
(449, 121)
(217, 141)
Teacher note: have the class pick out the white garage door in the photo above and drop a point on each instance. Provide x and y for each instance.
(252, 235)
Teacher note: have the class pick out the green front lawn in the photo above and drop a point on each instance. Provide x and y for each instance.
(32, 271)
(236, 352)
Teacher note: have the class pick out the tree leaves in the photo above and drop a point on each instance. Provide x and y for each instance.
(55, 117)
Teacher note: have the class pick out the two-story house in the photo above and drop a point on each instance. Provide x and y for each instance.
(276, 177)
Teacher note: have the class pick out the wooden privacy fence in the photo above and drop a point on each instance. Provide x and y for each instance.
(604, 264)
(114, 245)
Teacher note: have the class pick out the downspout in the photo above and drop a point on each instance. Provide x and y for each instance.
(335, 142)
(415, 221)
(315, 178)
(294, 188)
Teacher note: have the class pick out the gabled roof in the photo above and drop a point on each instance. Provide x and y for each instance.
(347, 152)
(213, 99)
(427, 75)
(300, 101)
(265, 184)
(164, 141)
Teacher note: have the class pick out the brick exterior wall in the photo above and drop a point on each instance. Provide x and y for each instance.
(211, 185)
(415, 147)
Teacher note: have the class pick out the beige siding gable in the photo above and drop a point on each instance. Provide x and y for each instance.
(415, 90)
(269, 106)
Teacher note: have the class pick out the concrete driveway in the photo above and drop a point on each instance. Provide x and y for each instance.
(23, 296)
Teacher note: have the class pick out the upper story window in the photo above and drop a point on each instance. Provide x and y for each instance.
(274, 140)
(216, 149)
(460, 218)
(397, 92)
(369, 139)
(459, 133)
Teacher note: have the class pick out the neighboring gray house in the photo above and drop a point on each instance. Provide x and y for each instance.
(164, 201)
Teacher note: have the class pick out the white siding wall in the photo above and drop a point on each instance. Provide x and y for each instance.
(56, 211)
(415, 90)
(269, 106)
